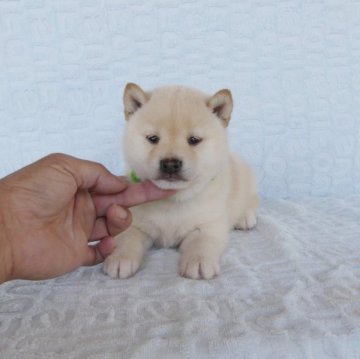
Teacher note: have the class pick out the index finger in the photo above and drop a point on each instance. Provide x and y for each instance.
(133, 195)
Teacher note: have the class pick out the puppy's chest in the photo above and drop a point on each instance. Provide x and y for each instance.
(167, 226)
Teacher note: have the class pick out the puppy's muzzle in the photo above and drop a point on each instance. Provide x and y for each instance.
(170, 166)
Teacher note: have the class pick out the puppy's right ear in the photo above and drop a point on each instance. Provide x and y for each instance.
(134, 98)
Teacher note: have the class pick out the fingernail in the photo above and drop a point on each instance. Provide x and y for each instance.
(121, 212)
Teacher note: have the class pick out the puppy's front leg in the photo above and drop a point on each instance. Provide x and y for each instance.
(127, 257)
(201, 251)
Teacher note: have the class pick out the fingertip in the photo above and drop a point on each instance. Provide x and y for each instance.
(96, 254)
(118, 212)
(154, 192)
(106, 246)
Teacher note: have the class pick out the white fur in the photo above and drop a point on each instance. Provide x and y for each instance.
(178, 185)
(218, 192)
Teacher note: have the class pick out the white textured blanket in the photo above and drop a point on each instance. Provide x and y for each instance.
(288, 289)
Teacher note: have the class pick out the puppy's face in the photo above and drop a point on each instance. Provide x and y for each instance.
(175, 136)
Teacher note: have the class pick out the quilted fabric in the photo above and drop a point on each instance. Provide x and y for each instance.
(292, 65)
(290, 288)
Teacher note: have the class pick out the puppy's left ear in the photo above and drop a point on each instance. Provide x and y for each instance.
(221, 104)
(134, 98)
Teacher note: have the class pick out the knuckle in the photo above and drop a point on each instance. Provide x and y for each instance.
(55, 158)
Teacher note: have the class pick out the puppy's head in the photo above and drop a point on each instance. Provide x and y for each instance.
(175, 136)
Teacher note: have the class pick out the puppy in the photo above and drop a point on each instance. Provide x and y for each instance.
(176, 138)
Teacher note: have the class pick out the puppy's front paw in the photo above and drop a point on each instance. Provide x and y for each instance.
(197, 266)
(247, 222)
(117, 265)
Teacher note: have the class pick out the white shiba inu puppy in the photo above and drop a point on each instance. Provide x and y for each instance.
(176, 138)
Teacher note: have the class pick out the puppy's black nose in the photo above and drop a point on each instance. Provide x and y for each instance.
(170, 165)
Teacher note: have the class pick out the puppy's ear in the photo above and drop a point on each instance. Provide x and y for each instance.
(134, 98)
(221, 104)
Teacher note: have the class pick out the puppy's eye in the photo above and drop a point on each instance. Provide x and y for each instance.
(193, 140)
(153, 139)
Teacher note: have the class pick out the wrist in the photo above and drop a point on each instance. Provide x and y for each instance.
(5, 260)
(5, 247)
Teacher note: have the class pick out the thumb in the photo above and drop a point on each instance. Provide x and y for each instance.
(118, 219)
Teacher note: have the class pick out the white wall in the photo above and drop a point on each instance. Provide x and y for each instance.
(293, 68)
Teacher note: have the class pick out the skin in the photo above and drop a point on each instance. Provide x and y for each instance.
(52, 209)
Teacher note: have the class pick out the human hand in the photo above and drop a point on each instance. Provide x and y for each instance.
(51, 210)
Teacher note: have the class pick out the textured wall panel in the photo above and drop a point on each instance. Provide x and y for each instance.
(293, 68)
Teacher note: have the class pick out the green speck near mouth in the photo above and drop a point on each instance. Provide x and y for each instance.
(134, 177)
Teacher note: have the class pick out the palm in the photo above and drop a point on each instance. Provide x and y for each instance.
(59, 218)
(62, 236)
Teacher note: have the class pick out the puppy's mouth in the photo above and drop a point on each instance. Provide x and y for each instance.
(170, 177)
(170, 181)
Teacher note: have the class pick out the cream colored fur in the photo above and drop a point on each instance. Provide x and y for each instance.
(216, 192)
